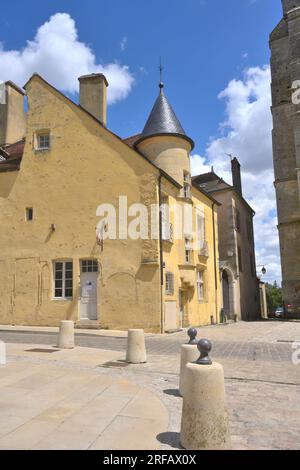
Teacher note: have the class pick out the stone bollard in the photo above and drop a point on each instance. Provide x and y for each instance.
(189, 353)
(2, 353)
(204, 422)
(136, 349)
(66, 335)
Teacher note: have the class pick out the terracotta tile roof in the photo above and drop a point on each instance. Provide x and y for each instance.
(12, 155)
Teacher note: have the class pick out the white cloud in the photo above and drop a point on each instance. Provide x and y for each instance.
(123, 43)
(246, 133)
(60, 57)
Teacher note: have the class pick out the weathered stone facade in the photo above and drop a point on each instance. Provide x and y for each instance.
(54, 267)
(285, 68)
(236, 245)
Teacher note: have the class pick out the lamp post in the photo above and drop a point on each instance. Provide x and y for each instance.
(264, 271)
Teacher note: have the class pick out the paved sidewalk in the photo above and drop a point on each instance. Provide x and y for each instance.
(58, 404)
(53, 389)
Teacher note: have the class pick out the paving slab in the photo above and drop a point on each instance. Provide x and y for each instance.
(82, 402)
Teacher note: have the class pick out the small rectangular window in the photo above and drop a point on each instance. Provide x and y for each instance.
(188, 250)
(187, 185)
(89, 266)
(43, 141)
(201, 230)
(237, 217)
(169, 284)
(240, 259)
(29, 214)
(200, 286)
(165, 219)
(63, 279)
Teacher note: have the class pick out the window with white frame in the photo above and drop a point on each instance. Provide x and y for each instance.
(200, 286)
(43, 141)
(188, 250)
(169, 284)
(63, 279)
(187, 185)
(165, 218)
(201, 229)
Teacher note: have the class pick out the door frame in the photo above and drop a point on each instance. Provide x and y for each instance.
(81, 261)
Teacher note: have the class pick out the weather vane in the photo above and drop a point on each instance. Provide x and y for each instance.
(161, 84)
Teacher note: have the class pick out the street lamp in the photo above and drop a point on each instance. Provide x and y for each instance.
(264, 271)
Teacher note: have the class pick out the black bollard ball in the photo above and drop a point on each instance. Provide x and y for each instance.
(192, 333)
(204, 347)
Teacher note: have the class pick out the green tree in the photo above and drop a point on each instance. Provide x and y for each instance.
(274, 296)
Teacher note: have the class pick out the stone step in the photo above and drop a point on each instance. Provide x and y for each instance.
(87, 325)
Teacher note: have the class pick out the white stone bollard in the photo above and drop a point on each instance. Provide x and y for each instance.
(66, 335)
(204, 423)
(189, 353)
(136, 349)
(2, 353)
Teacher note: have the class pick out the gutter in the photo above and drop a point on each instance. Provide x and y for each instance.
(161, 257)
(215, 262)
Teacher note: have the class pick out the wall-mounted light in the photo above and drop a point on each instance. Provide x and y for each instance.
(52, 227)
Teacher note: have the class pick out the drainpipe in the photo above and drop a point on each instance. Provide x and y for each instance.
(215, 261)
(161, 257)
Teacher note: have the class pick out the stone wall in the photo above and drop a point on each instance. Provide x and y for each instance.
(285, 67)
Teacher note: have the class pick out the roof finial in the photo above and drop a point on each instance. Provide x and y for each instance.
(161, 83)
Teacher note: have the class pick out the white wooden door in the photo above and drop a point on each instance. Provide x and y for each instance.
(88, 298)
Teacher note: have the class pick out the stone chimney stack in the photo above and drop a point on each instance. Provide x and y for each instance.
(288, 5)
(236, 175)
(12, 114)
(93, 95)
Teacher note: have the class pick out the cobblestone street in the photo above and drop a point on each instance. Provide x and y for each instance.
(257, 341)
(262, 386)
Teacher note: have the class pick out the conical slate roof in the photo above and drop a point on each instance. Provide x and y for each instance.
(162, 119)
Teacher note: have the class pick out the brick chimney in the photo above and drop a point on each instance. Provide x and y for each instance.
(288, 5)
(93, 95)
(236, 175)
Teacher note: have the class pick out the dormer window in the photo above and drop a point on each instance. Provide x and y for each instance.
(188, 249)
(43, 141)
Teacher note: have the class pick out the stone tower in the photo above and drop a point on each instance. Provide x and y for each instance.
(285, 68)
(164, 141)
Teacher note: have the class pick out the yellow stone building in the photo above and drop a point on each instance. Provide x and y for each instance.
(58, 258)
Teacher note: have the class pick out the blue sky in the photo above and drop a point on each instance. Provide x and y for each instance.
(207, 46)
(201, 42)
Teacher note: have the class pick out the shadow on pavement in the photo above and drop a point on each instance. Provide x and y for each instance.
(172, 391)
(171, 439)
